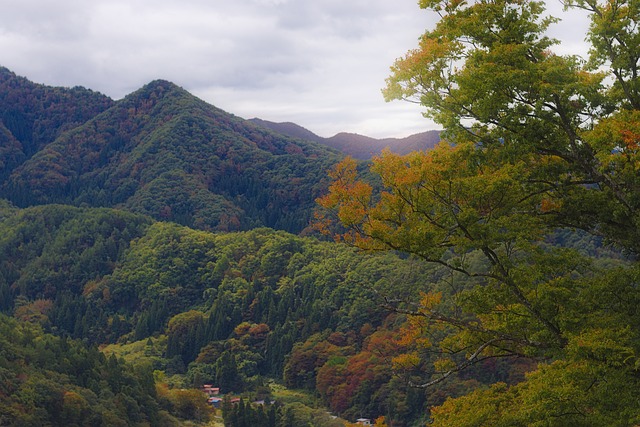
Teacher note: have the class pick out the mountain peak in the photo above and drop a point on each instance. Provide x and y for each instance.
(161, 84)
(163, 152)
(156, 89)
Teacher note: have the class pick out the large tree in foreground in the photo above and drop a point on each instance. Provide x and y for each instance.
(535, 142)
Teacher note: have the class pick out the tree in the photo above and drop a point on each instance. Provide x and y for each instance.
(185, 335)
(227, 376)
(535, 141)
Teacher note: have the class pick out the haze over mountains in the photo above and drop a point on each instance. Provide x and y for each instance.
(163, 152)
(356, 145)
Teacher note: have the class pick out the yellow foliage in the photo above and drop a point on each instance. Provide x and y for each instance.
(444, 365)
(380, 422)
(428, 300)
(406, 361)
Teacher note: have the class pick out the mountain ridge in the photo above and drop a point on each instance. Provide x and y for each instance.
(356, 145)
(33, 115)
(163, 152)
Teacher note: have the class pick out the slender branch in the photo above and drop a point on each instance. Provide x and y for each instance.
(461, 324)
(470, 361)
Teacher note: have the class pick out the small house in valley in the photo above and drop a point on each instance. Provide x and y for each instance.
(210, 390)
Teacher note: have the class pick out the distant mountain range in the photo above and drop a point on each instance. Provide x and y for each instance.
(358, 146)
(163, 152)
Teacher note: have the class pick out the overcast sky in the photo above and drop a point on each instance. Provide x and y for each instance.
(318, 63)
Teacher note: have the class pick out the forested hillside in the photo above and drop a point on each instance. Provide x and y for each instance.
(236, 310)
(155, 245)
(32, 115)
(159, 151)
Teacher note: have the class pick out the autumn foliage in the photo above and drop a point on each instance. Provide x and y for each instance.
(537, 145)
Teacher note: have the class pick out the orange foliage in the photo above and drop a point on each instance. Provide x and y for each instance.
(630, 138)
(35, 311)
(259, 331)
(341, 378)
(380, 422)
(412, 333)
(348, 198)
(549, 205)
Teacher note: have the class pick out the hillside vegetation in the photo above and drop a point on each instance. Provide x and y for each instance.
(154, 245)
(537, 142)
(233, 310)
(159, 151)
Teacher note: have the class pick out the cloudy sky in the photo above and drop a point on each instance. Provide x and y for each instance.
(318, 63)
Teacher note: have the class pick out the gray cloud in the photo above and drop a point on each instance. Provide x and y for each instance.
(319, 63)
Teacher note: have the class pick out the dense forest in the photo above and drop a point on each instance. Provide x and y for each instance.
(115, 236)
(155, 248)
(233, 309)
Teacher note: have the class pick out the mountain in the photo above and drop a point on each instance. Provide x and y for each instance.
(33, 115)
(163, 152)
(159, 151)
(290, 129)
(355, 145)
